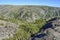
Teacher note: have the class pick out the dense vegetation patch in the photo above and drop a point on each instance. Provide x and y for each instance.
(26, 29)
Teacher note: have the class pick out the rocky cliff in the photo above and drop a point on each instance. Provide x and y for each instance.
(50, 31)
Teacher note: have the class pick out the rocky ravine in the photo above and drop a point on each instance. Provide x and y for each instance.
(50, 31)
(7, 29)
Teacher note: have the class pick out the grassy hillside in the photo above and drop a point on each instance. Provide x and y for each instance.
(25, 29)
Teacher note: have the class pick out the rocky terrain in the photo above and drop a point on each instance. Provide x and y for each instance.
(29, 22)
(28, 13)
(50, 31)
(7, 29)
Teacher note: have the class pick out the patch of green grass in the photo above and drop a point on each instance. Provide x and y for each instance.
(26, 29)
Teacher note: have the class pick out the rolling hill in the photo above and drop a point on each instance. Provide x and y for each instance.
(28, 13)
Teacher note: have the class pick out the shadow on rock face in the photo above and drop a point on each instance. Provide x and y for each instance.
(46, 26)
(38, 36)
(41, 35)
(49, 24)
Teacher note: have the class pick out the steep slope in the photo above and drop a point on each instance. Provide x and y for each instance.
(50, 31)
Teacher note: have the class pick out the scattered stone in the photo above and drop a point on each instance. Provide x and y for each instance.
(7, 29)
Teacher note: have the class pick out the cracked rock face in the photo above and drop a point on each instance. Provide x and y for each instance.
(7, 29)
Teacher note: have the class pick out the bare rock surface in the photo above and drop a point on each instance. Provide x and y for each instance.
(7, 29)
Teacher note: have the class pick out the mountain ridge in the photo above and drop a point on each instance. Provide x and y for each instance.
(28, 12)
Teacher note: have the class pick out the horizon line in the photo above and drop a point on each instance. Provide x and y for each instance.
(30, 5)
